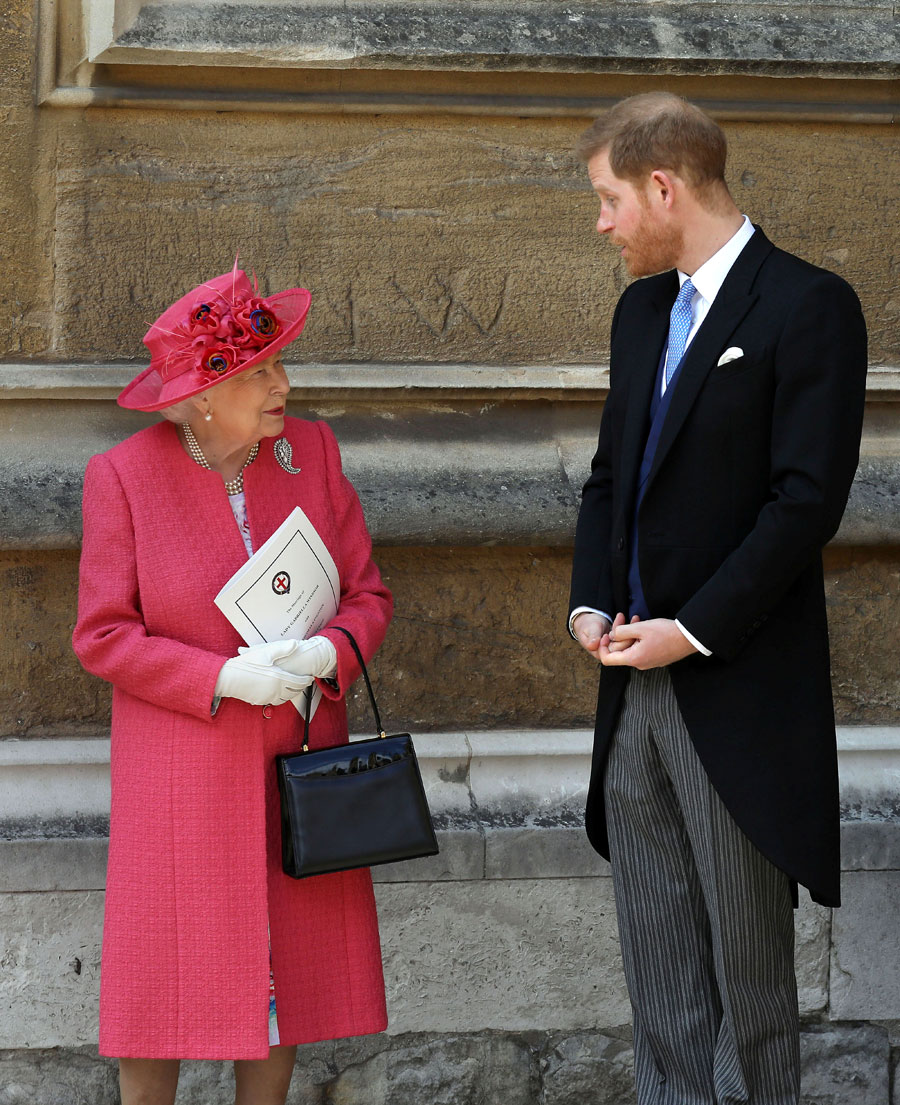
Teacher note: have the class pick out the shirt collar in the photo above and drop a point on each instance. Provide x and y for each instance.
(710, 277)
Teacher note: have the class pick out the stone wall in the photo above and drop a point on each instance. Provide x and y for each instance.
(420, 182)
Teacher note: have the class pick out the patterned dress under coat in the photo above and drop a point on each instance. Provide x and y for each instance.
(194, 880)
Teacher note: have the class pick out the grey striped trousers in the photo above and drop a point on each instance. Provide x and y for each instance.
(705, 922)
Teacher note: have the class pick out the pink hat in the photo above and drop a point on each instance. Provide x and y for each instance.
(213, 332)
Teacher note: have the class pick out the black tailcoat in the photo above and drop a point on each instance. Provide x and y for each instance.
(749, 481)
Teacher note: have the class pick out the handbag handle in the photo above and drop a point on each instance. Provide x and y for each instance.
(379, 729)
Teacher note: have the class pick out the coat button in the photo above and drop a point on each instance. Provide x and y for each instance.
(620, 544)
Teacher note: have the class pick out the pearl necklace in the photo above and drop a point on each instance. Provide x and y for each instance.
(232, 487)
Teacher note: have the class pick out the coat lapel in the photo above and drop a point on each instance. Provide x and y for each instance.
(272, 492)
(734, 300)
(643, 353)
(201, 502)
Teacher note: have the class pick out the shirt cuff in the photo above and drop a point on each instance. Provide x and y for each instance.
(585, 610)
(690, 636)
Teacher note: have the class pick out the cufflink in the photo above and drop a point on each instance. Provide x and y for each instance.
(731, 354)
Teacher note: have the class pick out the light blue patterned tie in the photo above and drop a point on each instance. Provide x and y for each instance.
(679, 328)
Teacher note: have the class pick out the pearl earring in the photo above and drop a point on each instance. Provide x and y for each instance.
(207, 417)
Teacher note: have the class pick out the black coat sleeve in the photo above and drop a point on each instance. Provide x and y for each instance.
(591, 574)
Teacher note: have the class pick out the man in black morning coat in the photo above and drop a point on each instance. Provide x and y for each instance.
(727, 447)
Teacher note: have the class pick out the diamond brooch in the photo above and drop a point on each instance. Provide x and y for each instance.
(284, 456)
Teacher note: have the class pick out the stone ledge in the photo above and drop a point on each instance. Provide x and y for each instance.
(858, 109)
(468, 492)
(474, 854)
(508, 806)
(348, 381)
(870, 845)
(466, 855)
(870, 772)
(368, 382)
(472, 59)
(507, 778)
(516, 444)
(823, 39)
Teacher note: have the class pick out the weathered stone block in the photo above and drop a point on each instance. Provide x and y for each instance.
(508, 470)
(865, 967)
(545, 852)
(844, 1065)
(491, 622)
(587, 1068)
(471, 955)
(461, 857)
(457, 610)
(77, 863)
(504, 956)
(872, 845)
(26, 194)
(863, 594)
(547, 787)
(212, 1083)
(449, 1071)
(74, 1076)
(50, 952)
(386, 223)
(39, 675)
(812, 929)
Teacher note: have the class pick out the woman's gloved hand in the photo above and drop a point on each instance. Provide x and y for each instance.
(315, 658)
(255, 676)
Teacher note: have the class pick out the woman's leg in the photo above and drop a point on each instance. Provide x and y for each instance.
(148, 1081)
(264, 1081)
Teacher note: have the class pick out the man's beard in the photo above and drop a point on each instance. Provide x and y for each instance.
(653, 248)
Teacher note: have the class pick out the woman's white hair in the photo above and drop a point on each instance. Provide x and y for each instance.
(179, 412)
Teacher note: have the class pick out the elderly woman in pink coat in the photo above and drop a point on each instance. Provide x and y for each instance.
(209, 950)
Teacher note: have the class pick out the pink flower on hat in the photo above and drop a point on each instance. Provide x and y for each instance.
(199, 345)
(255, 316)
(242, 336)
(218, 359)
(203, 319)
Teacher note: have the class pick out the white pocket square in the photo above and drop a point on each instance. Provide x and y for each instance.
(731, 354)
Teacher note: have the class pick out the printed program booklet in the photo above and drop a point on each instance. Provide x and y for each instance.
(289, 588)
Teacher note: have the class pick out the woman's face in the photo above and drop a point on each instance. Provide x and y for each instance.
(250, 405)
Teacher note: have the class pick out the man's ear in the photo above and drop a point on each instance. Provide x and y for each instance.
(662, 187)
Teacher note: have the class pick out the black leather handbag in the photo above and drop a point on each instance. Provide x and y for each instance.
(352, 805)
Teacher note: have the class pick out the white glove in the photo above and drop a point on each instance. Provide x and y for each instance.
(254, 676)
(315, 658)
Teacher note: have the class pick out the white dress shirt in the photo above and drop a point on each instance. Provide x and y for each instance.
(707, 280)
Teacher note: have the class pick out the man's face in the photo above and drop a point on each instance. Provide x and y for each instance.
(635, 220)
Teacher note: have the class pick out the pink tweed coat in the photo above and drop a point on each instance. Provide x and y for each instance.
(194, 880)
